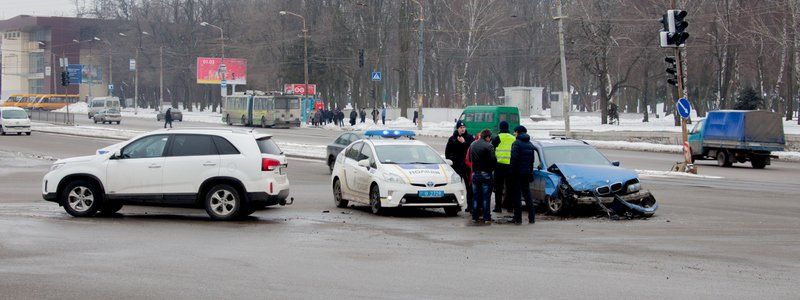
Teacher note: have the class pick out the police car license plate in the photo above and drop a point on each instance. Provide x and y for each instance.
(430, 194)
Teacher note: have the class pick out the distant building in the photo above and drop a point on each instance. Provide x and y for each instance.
(31, 47)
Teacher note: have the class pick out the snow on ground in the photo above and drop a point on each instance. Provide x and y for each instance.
(662, 174)
(75, 108)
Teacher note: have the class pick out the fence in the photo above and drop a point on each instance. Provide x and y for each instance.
(52, 117)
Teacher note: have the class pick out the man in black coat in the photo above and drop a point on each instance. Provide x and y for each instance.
(456, 151)
(481, 154)
(363, 114)
(523, 156)
(353, 116)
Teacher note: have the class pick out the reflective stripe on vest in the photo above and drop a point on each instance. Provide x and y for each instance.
(503, 151)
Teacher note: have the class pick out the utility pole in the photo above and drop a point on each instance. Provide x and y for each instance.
(136, 84)
(160, 77)
(421, 64)
(110, 73)
(305, 55)
(565, 95)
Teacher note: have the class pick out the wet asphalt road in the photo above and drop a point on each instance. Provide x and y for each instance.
(736, 237)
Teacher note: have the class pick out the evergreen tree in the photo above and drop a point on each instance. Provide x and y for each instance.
(748, 100)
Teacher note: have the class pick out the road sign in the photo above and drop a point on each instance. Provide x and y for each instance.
(376, 76)
(223, 83)
(132, 64)
(75, 73)
(47, 71)
(684, 108)
(111, 87)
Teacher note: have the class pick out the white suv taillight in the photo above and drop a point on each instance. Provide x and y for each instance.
(268, 164)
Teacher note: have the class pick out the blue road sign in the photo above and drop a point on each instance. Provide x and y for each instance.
(223, 83)
(376, 76)
(684, 108)
(75, 72)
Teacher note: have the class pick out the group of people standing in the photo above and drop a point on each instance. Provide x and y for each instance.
(503, 163)
(324, 116)
(362, 114)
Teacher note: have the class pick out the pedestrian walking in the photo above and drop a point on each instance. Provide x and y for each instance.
(456, 151)
(502, 145)
(483, 160)
(416, 115)
(383, 114)
(168, 118)
(353, 116)
(523, 156)
(363, 114)
(340, 116)
(375, 115)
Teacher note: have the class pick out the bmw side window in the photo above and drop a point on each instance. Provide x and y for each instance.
(192, 145)
(224, 147)
(148, 147)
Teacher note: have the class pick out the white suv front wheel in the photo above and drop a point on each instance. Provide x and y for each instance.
(223, 202)
(81, 198)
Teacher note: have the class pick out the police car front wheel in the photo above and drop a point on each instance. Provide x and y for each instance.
(375, 200)
(337, 194)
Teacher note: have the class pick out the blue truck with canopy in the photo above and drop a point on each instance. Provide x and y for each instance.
(731, 136)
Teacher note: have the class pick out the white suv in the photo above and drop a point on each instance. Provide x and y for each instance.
(229, 172)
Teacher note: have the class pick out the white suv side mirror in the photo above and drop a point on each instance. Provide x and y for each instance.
(364, 163)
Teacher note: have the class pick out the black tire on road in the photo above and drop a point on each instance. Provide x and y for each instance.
(452, 211)
(375, 200)
(555, 206)
(81, 198)
(758, 162)
(337, 194)
(223, 202)
(28, 133)
(722, 159)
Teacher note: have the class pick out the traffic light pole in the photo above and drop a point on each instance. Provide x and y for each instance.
(679, 72)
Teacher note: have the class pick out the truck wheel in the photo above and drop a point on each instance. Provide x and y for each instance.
(722, 159)
(758, 162)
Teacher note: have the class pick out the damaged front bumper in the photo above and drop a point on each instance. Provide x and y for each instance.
(608, 199)
(639, 204)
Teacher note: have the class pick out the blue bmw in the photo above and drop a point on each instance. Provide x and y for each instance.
(568, 173)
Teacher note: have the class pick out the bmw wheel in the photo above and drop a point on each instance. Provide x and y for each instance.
(223, 202)
(337, 194)
(554, 206)
(81, 198)
(375, 200)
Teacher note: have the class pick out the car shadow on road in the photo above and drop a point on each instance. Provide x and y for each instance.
(249, 220)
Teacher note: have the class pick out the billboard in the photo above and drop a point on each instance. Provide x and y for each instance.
(208, 70)
(299, 89)
(92, 74)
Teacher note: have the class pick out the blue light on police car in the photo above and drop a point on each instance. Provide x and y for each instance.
(393, 134)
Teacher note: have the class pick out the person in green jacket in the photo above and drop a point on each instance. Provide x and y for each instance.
(502, 150)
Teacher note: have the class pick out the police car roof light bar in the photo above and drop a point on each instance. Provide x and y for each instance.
(390, 134)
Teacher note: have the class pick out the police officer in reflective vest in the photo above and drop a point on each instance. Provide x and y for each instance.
(502, 145)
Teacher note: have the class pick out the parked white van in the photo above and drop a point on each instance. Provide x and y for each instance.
(102, 103)
(14, 120)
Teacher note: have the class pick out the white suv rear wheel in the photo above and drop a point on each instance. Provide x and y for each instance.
(223, 202)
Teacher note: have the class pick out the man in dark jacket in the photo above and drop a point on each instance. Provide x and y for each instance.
(502, 145)
(416, 116)
(456, 151)
(168, 118)
(483, 163)
(363, 114)
(521, 171)
(353, 116)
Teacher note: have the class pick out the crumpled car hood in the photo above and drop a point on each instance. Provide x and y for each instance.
(589, 177)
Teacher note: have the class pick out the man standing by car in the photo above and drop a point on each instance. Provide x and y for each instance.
(456, 151)
(168, 118)
(522, 158)
(502, 145)
(483, 164)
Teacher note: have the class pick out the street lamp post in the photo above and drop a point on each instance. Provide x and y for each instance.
(222, 68)
(421, 62)
(305, 50)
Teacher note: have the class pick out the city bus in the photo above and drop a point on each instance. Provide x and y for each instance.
(263, 111)
(54, 102)
(21, 100)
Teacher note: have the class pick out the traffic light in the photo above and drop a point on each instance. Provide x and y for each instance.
(672, 70)
(360, 58)
(64, 78)
(674, 34)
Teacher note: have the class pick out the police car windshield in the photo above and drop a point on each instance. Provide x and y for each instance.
(407, 154)
(583, 155)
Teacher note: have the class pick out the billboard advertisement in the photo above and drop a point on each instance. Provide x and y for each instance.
(208, 70)
(299, 89)
(91, 74)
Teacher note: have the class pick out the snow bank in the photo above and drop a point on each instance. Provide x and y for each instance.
(75, 108)
(652, 173)
(636, 146)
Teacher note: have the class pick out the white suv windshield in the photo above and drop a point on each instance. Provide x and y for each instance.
(14, 114)
(407, 154)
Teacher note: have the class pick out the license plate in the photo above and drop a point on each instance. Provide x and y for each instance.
(430, 194)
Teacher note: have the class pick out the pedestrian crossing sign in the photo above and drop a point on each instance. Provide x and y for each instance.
(376, 76)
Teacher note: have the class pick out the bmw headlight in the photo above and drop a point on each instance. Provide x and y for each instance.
(632, 188)
(56, 166)
(454, 178)
(393, 178)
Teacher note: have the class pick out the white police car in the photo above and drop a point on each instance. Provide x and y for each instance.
(385, 171)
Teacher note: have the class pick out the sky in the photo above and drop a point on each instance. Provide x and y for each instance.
(13, 8)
